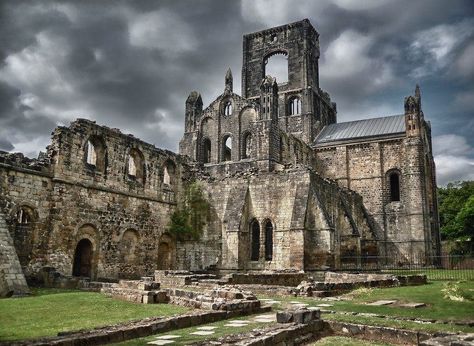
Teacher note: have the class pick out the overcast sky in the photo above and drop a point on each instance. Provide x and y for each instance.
(131, 64)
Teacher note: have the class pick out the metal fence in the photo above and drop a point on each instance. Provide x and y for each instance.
(449, 267)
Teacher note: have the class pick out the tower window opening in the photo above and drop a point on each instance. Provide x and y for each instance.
(394, 187)
(276, 66)
(294, 106)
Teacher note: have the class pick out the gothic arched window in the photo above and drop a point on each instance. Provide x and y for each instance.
(255, 240)
(228, 108)
(268, 240)
(294, 106)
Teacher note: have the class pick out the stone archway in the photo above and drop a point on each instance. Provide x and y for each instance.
(166, 253)
(83, 259)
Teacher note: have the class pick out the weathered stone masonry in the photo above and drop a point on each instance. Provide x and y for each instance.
(288, 187)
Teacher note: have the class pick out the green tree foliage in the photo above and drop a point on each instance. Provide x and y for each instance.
(456, 211)
(188, 220)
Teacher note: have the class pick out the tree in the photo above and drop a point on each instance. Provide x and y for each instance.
(452, 200)
(190, 216)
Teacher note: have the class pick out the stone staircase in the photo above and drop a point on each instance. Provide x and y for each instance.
(12, 279)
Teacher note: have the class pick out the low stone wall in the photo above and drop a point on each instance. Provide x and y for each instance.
(226, 299)
(454, 340)
(384, 334)
(336, 283)
(337, 278)
(136, 291)
(173, 278)
(273, 279)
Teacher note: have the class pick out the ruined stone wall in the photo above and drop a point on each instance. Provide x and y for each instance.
(312, 219)
(12, 280)
(25, 189)
(123, 217)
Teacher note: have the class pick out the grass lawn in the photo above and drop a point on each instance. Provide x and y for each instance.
(343, 341)
(437, 274)
(437, 307)
(49, 311)
(185, 336)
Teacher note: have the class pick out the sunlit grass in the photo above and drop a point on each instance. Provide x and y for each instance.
(49, 311)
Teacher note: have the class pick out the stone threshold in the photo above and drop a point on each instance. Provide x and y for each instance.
(134, 329)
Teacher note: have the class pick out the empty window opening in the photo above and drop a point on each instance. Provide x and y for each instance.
(228, 108)
(135, 167)
(394, 187)
(247, 149)
(294, 106)
(95, 155)
(169, 173)
(166, 177)
(227, 150)
(22, 217)
(268, 241)
(132, 166)
(91, 154)
(255, 239)
(206, 150)
(277, 66)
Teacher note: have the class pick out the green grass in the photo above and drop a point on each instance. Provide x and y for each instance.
(50, 311)
(186, 337)
(437, 308)
(344, 341)
(410, 325)
(437, 274)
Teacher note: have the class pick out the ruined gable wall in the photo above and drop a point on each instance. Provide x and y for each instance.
(364, 167)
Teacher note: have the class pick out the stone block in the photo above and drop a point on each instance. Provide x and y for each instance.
(284, 317)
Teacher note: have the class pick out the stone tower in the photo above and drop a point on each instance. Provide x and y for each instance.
(303, 107)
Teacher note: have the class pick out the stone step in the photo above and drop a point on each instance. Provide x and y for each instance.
(136, 296)
(139, 285)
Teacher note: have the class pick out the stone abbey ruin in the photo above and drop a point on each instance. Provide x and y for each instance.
(264, 181)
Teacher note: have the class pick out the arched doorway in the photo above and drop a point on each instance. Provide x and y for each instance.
(166, 253)
(83, 259)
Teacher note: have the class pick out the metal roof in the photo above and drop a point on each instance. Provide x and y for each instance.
(394, 124)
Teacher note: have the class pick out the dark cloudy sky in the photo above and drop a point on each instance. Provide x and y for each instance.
(131, 64)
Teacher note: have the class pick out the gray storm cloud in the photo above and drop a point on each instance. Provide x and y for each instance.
(131, 65)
